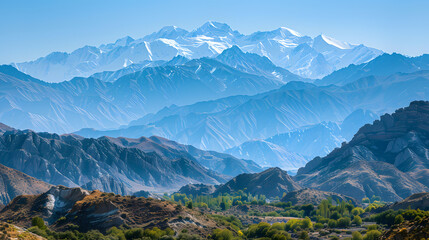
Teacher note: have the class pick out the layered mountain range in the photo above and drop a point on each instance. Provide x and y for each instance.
(89, 102)
(302, 55)
(289, 119)
(387, 158)
(293, 149)
(282, 122)
(115, 165)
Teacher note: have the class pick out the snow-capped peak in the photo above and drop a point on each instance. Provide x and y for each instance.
(218, 29)
(335, 43)
(287, 31)
(124, 41)
(168, 32)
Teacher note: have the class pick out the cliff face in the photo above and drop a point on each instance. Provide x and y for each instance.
(389, 158)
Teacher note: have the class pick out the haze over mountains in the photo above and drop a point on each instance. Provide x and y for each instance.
(245, 102)
(292, 110)
(202, 107)
(302, 55)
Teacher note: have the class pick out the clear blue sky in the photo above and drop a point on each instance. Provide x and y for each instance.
(31, 29)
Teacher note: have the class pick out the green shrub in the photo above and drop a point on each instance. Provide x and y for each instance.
(303, 235)
(399, 219)
(357, 220)
(332, 223)
(357, 211)
(319, 226)
(357, 236)
(222, 234)
(343, 222)
(372, 235)
(372, 227)
(38, 222)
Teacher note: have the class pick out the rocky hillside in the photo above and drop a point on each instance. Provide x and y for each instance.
(9, 231)
(197, 189)
(272, 182)
(61, 206)
(14, 183)
(409, 230)
(315, 197)
(415, 201)
(5, 128)
(98, 163)
(387, 158)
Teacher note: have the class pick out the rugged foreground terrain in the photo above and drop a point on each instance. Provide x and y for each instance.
(63, 208)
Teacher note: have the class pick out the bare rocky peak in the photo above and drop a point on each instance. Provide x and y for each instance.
(387, 158)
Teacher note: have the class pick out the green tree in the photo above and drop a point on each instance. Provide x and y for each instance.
(222, 234)
(306, 223)
(38, 222)
(304, 235)
(375, 198)
(357, 211)
(372, 235)
(399, 219)
(357, 220)
(189, 205)
(223, 206)
(307, 209)
(343, 222)
(357, 236)
(335, 215)
(332, 223)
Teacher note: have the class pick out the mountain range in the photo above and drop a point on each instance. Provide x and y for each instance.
(89, 102)
(114, 165)
(302, 55)
(293, 149)
(387, 158)
(232, 98)
(293, 109)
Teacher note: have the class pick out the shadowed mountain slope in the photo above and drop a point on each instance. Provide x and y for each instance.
(387, 158)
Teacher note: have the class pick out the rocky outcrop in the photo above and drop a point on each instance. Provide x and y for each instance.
(142, 193)
(387, 158)
(408, 230)
(14, 183)
(59, 200)
(197, 189)
(415, 201)
(74, 161)
(315, 197)
(272, 182)
(5, 128)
